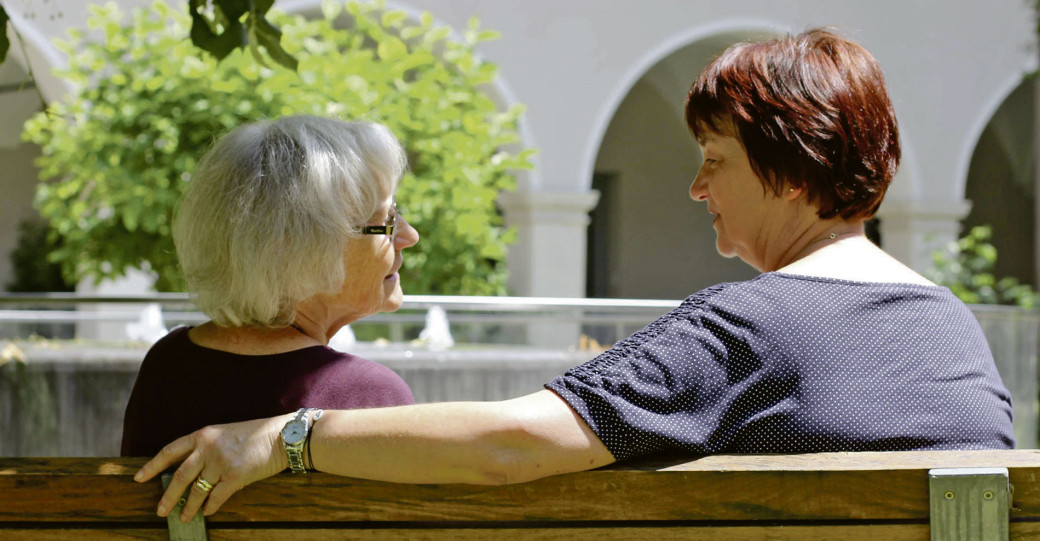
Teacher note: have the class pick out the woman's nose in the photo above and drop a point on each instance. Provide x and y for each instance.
(699, 188)
(406, 235)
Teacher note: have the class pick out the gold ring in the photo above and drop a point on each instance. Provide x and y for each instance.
(203, 485)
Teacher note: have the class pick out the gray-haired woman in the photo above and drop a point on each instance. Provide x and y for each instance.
(288, 231)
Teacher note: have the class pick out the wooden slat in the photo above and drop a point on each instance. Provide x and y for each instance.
(76, 534)
(736, 533)
(627, 495)
(76, 490)
(1019, 532)
(833, 486)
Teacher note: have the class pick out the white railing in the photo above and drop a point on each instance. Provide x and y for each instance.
(474, 319)
(590, 324)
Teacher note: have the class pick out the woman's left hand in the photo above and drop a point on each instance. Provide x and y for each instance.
(225, 457)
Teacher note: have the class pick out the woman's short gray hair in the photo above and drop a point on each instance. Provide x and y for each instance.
(267, 213)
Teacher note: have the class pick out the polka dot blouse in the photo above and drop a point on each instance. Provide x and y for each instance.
(791, 364)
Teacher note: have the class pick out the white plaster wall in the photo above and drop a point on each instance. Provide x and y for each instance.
(949, 64)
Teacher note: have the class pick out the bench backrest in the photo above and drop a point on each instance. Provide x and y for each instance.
(852, 496)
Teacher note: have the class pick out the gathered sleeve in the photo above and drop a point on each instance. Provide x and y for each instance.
(688, 382)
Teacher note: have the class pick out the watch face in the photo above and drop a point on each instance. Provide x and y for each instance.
(294, 432)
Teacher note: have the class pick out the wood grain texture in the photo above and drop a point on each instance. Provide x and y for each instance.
(1019, 532)
(736, 533)
(846, 487)
(79, 534)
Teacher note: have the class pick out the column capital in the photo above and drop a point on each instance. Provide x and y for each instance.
(924, 210)
(911, 230)
(557, 208)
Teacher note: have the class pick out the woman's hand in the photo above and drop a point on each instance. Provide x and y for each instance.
(227, 457)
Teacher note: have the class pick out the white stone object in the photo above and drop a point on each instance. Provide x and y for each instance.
(343, 340)
(149, 327)
(437, 333)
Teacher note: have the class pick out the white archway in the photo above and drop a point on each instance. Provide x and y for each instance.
(982, 117)
(42, 56)
(712, 35)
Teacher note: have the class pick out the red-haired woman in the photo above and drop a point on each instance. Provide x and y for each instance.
(836, 346)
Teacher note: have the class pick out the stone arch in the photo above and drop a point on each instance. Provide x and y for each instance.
(984, 116)
(999, 178)
(41, 54)
(18, 102)
(646, 238)
(710, 38)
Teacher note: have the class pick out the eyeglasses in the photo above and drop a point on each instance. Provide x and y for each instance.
(389, 228)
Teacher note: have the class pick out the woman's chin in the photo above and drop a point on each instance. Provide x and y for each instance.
(725, 249)
(394, 295)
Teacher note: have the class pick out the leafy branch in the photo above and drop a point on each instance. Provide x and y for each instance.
(966, 267)
(218, 27)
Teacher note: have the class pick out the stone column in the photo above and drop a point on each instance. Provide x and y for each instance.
(912, 229)
(548, 257)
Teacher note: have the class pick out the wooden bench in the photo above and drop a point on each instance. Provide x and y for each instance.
(830, 496)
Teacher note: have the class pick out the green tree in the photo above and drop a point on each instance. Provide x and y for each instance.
(966, 267)
(116, 158)
(218, 27)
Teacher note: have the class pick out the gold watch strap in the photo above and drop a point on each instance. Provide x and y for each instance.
(294, 452)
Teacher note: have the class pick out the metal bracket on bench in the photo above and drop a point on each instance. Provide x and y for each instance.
(969, 504)
(193, 530)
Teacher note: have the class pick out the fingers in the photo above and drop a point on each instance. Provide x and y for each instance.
(184, 477)
(200, 489)
(220, 494)
(225, 457)
(169, 455)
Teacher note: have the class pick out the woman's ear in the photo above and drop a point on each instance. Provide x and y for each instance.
(792, 192)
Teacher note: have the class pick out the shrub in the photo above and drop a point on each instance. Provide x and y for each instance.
(32, 272)
(966, 267)
(117, 156)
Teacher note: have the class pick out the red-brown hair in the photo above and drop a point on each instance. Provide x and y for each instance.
(812, 111)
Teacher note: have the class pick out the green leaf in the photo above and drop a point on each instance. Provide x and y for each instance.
(391, 48)
(392, 19)
(219, 45)
(270, 37)
(330, 9)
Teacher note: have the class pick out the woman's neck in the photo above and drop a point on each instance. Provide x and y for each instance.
(251, 340)
(853, 258)
(807, 235)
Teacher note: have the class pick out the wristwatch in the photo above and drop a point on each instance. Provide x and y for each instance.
(294, 435)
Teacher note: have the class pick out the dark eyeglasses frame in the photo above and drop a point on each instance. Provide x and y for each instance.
(385, 229)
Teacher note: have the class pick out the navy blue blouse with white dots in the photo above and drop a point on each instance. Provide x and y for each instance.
(790, 364)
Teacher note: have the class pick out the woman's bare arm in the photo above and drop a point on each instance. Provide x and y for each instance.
(456, 442)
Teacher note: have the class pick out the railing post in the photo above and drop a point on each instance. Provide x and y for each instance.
(969, 504)
(193, 530)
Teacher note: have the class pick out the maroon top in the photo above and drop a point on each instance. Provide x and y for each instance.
(183, 387)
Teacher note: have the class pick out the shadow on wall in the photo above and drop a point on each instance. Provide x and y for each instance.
(647, 238)
(1002, 184)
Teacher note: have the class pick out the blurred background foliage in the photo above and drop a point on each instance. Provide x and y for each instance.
(117, 156)
(32, 271)
(966, 267)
